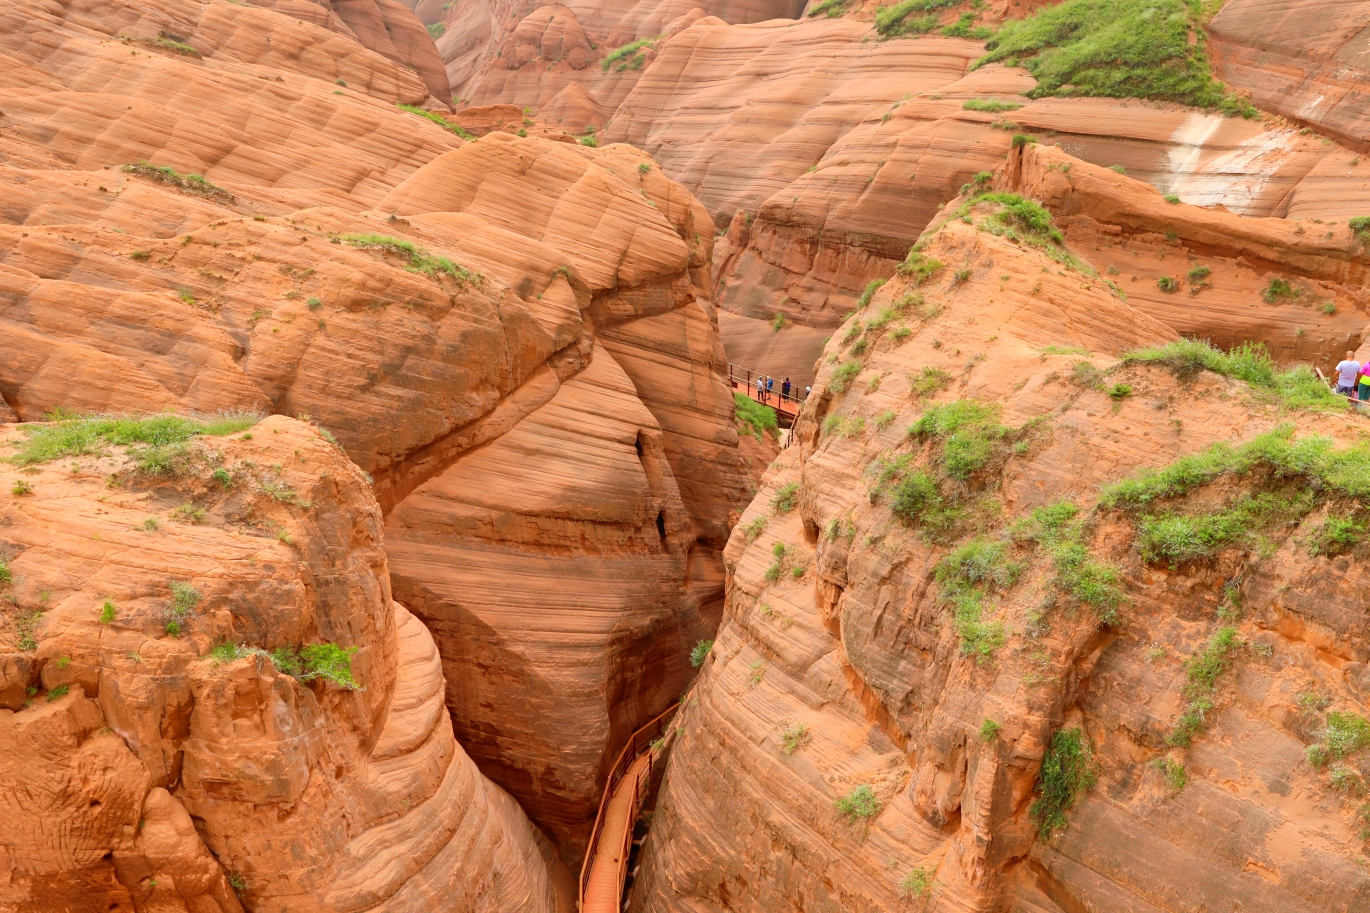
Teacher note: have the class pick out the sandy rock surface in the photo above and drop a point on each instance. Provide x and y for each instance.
(190, 781)
(428, 301)
(847, 645)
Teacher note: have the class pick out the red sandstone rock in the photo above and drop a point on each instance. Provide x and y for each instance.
(193, 783)
(853, 640)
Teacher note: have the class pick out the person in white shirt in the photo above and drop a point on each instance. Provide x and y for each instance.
(1346, 375)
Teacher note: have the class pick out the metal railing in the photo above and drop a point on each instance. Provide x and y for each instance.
(746, 378)
(643, 738)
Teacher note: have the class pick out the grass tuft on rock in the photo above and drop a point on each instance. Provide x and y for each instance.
(754, 418)
(1116, 49)
(85, 435)
(1067, 773)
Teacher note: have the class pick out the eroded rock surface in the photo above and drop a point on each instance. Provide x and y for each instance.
(849, 658)
(190, 778)
(428, 301)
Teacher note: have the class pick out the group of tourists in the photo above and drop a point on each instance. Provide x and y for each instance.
(1353, 378)
(765, 390)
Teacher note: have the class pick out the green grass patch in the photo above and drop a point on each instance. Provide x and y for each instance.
(1360, 227)
(438, 119)
(754, 418)
(1337, 536)
(918, 267)
(786, 498)
(1067, 773)
(891, 21)
(1061, 532)
(629, 56)
(184, 599)
(871, 288)
(990, 105)
(159, 434)
(420, 260)
(916, 884)
(186, 183)
(860, 804)
(700, 652)
(1116, 49)
(843, 376)
(830, 9)
(989, 731)
(436, 30)
(966, 577)
(929, 381)
(1297, 387)
(969, 434)
(1201, 674)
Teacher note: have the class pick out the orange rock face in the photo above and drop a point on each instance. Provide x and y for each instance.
(514, 337)
(850, 665)
(191, 780)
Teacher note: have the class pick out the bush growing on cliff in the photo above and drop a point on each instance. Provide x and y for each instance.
(891, 21)
(843, 376)
(1201, 673)
(786, 497)
(754, 418)
(436, 30)
(793, 737)
(871, 288)
(919, 267)
(929, 381)
(1337, 536)
(1360, 227)
(420, 260)
(84, 435)
(830, 8)
(969, 432)
(184, 598)
(917, 883)
(629, 56)
(1297, 387)
(327, 661)
(438, 119)
(1167, 284)
(1279, 290)
(1059, 530)
(700, 652)
(860, 804)
(1115, 49)
(186, 183)
(989, 730)
(1067, 773)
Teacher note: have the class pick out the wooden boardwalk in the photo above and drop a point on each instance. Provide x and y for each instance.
(603, 893)
(611, 840)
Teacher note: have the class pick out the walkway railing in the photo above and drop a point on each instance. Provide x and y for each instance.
(640, 741)
(746, 378)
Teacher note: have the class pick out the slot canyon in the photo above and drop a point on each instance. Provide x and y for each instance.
(695, 456)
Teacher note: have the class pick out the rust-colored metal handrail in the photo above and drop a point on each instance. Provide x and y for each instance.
(642, 738)
(746, 378)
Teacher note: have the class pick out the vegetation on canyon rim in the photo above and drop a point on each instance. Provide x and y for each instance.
(154, 437)
(754, 418)
(1118, 49)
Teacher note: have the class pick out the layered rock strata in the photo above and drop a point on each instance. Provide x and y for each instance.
(905, 641)
(151, 724)
(426, 300)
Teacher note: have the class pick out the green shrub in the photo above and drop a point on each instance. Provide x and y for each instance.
(84, 435)
(929, 381)
(918, 266)
(794, 737)
(1279, 290)
(860, 804)
(1174, 773)
(1360, 227)
(1171, 198)
(989, 730)
(754, 418)
(915, 494)
(754, 528)
(420, 260)
(992, 105)
(1198, 274)
(436, 30)
(625, 55)
(1022, 139)
(1120, 391)
(1067, 773)
(58, 693)
(1337, 536)
(1115, 49)
(969, 432)
(843, 376)
(186, 183)
(437, 119)
(184, 598)
(916, 884)
(1167, 284)
(1346, 733)
(786, 497)
(1202, 672)
(700, 652)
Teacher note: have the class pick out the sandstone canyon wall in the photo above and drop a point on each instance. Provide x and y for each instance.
(153, 768)
(221, 207)
(963, 668)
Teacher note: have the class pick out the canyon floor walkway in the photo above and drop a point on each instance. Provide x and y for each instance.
(606, 859)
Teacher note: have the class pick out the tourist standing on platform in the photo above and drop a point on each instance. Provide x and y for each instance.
(785, 388)
(760, 390)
